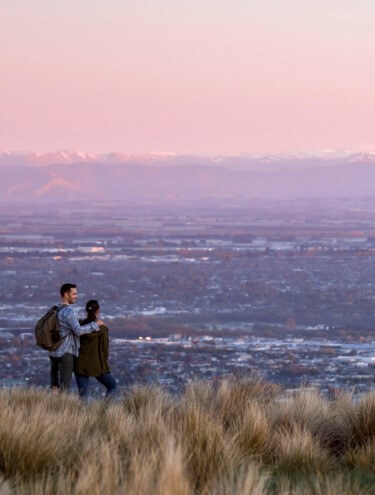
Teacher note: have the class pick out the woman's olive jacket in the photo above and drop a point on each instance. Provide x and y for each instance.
(93, 353)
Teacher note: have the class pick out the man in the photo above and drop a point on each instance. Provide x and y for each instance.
(62, 359)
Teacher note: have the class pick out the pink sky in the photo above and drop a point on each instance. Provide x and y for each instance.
(195, 76)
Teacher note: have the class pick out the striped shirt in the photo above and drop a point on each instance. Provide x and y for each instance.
(70, 331)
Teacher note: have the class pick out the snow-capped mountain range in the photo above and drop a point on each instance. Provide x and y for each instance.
(76, 175)
(265, 162)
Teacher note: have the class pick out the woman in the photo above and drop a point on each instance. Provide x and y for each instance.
(93, 355)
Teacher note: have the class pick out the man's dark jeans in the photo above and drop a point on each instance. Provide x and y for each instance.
(105, 379)
(61, 371)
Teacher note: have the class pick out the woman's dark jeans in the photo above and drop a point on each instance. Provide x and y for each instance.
(105, 379)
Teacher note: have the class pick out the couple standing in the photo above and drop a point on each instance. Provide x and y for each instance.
(84, 347)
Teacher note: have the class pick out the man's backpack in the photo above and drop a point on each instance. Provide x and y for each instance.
(47, 333)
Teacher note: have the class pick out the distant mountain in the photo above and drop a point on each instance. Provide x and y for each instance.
(8, 157)
(87, 176)
(251, 162)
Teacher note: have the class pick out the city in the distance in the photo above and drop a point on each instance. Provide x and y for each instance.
(195, 282)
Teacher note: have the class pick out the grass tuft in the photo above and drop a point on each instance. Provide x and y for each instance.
(237, 437)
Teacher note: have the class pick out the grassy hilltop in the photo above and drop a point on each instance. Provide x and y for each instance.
(241, 437)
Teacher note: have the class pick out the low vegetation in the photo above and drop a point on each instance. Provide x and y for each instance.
(236, 437)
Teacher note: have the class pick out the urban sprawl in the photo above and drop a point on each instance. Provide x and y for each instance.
(199, 291)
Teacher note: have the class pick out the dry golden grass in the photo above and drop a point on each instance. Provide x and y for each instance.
(251, 432)
(362, 457)
(335, 485)
(248, 481)
(297, 450)
(311, 411)
(238, 437)
(360, 417)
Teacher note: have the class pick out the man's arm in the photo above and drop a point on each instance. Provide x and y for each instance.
(72, 321)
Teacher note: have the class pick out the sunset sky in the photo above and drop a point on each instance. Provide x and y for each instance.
(194, 76)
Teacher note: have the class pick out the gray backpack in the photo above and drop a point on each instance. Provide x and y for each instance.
(47, 333)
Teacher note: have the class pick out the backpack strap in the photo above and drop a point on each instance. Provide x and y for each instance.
(61, 307)
(57, 310)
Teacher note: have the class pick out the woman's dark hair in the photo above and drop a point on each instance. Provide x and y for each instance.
(92, 307)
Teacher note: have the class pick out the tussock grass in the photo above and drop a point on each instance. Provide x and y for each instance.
(297, 451)
(205, 448)
(310, 411)
(362, 457)
(336, 485)
(361, 419)
(235, 437)
(252, 432)
(248, 481)
(4, 487)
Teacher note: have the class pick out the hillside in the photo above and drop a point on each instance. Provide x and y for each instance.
(170, 177)
(121, 182)
(237, 437)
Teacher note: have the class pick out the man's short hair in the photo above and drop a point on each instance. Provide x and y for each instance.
(66, 288)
